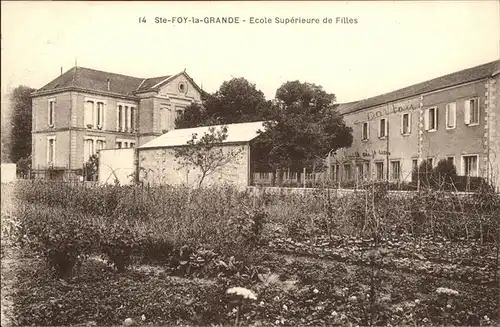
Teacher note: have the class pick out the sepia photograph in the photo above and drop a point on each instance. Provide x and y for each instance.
(250, 163)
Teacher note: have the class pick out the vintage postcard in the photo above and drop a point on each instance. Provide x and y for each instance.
(277, 163)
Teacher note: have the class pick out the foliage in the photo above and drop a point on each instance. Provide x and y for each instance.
(236, 101)
(60, 236)
(369, 257)
(23, 166)
(20, 137)
(92, 167)
(303, 127)
(206, 154)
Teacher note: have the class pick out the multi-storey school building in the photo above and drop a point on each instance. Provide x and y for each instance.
(85, 110)
(454, 117)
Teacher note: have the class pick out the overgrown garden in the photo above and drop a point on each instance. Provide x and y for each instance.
(167, 255)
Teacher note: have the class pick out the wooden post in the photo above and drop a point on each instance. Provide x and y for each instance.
(304, 178)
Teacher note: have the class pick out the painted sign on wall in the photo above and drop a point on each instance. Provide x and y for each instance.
(394, 108)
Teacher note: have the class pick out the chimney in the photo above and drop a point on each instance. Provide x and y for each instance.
(61, 70)
(109, 84)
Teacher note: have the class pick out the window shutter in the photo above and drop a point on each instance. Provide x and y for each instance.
(478, 109)
(402, 123)
(454, 114)
(448, 108)
(409, 123)
(467, 112)
(368, 130)
(426, 119)
(436, 115)
(117, 117)
(386, 127)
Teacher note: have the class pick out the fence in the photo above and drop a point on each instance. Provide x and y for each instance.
(310, 179)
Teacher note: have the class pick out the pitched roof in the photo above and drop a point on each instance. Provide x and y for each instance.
(150, 82)
(456, 78)
(97, 80)
(236, 133)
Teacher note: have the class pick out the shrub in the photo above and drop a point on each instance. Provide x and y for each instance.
(63, 238)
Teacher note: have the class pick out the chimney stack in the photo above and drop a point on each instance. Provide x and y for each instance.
(109, 84)
(61, 70)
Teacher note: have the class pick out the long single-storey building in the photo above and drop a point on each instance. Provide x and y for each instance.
(158, 164)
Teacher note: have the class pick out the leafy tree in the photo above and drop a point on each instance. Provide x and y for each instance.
(205, 154)
(193, 116)
(92, 167)
(444, 175)
(304, 126)
(236, 101)
(21, 123)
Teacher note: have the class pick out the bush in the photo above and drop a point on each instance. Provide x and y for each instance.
(63, 238)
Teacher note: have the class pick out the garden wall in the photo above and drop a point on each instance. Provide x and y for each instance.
(116, 165)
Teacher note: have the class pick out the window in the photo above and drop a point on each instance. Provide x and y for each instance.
(347, 172)
(364, 131)
(414, 169)
(469, 165)
(178, 113)
(119, 118)
(360, 170)
(451, 115)
(88, 149)
(51, 109)
(100, 144)
(471, 114)
(126, 117)
(430, 162)
(405, 124)
(94, 116)
(430, 119)
(51, 150)
(123, 143)
(91, 145)
(395, 170)
(382, 128)
(380, 170)
(132, 119)
(451, 160)
(126, 120)
(164, 119)
(89, 114)
(336, 172)
(366, 169)
(100, 115)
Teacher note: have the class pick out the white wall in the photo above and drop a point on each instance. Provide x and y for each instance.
(116, 164)
(159, 166)
(8, 172)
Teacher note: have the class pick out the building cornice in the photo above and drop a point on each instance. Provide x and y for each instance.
(82, 129)
(84, 90)
(414, 96)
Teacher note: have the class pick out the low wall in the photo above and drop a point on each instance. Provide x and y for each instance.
(8, 173)
(259, 190)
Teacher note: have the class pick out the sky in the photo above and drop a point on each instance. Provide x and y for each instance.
(392, 45)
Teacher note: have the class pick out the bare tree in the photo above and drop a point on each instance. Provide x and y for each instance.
(206, 153)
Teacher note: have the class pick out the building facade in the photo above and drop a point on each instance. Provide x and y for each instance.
(453, 117)
(83, 111)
